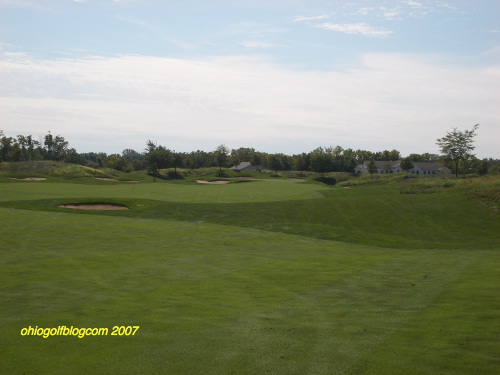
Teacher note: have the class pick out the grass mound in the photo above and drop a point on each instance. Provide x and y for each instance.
(49, 168)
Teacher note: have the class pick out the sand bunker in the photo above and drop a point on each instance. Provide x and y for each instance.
(295, 179)
(29, 179)
(95, 206)
(212, 182)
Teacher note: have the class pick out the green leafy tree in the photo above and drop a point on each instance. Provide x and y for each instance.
(457, 145)
(406, 164)
(55, 147)
(74, 157)
(276, 163)
(300, 162)
(243, 154)
(222, 156)
(235, 160)
(321, 161)
(6, 147)
(157, 158)
(257, 159)
(177, 160)
(115, 161)
(387, 167)
(137, 165)
(336, 158)
(371, 166)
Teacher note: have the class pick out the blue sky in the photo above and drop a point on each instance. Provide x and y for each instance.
(279, 76)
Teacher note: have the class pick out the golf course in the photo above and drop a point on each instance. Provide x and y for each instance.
(391, 274)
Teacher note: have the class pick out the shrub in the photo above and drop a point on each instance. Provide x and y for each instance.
(326, 180)
(222, 173)
(175, 175)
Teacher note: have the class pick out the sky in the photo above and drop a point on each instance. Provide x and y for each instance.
(275, 75)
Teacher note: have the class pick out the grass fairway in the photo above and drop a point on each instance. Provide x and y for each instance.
(266, 277)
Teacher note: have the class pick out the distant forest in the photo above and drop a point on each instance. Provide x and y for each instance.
(155, 157)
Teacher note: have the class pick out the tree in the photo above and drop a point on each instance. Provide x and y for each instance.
(300, 162)
(321, 161)
(115, 161)
(243, 154)
(222, 155)
(257, 159)
(457, 145)
(137, 165)
(55, 147)
(371, 166)
(235, 160)
(387, 167)
(130, 155)
(74, 157)
(177, 160)
(157, 158)
(406, 164)
(6, 148)
(276, 163)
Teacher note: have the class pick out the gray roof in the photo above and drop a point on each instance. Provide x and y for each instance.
(242, 165)
(416, 164)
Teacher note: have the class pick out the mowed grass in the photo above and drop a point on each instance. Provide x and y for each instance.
(188, 192)
(369, 214)
(214, 294)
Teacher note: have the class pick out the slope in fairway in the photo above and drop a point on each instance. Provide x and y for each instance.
(232, 298)
(223, 299)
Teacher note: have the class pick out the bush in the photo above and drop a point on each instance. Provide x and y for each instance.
(222, 174)
(326, 180)
(175, 175)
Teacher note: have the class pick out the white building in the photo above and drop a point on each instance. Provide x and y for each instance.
(246, 166)
(420, 168)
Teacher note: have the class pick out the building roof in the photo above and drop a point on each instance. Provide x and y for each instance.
(242, 165)
(416, 164)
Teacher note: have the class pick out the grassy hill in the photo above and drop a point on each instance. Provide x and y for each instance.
(387, 275)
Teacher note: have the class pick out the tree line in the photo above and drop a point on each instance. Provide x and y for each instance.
(157, 157)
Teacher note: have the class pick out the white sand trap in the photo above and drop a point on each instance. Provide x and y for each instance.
(296, 179)
(29, 179)
(95, 206)
(212, 182)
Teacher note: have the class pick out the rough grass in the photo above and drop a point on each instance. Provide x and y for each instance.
(49, 168)
(214, 294)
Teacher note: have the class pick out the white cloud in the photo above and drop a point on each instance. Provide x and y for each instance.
(108, 104)
(355, 28)
(391, 14)
(413, 3)
(364, 11)
(312, 18)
